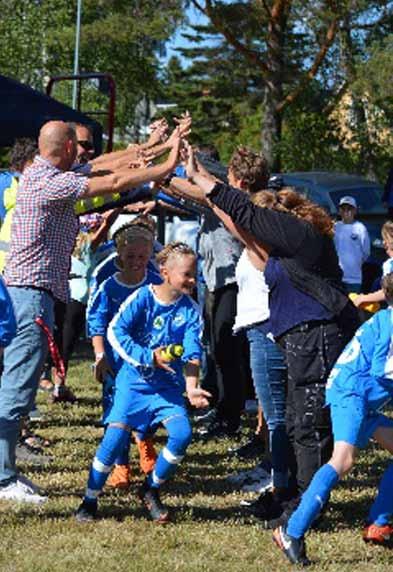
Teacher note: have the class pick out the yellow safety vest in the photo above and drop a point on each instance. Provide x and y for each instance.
(81, 206)
(5, 231)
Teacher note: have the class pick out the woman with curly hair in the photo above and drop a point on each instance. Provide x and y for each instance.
(310, 314)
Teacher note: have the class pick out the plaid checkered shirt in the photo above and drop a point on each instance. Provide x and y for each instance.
(44, 228)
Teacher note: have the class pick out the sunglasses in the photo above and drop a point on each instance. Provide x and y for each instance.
(87, 145)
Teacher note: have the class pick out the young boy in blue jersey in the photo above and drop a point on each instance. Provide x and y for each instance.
(149, 386)
(134, 245)
(359, 386)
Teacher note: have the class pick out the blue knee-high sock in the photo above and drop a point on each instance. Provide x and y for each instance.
(313, 499)
(179, 437)
(382, 508)
(123, 457)
(112, 442)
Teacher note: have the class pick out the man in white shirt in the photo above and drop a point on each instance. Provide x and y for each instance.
(352, 244)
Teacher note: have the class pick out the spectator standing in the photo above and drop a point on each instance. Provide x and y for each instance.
(352, 244)
(22, 155)
(310, 316)
(43, 233)
(387, 268)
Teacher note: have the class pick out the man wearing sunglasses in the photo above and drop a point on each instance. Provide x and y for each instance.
(85, 145)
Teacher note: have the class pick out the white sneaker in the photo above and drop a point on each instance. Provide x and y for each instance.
(241, 478)
(21, 491)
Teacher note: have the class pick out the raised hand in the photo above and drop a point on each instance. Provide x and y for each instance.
(184, 122)
(189, 160)
(158, 132)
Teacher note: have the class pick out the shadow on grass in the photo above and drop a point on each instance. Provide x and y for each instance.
(120, 509)
(86, 421)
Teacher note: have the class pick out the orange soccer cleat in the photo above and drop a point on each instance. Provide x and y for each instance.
(377, 534)
(120, 477)
(147, 454)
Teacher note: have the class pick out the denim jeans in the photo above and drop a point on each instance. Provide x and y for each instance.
(23, 361)
(268, 374)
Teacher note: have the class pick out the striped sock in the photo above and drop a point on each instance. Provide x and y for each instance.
(179, 437)
(112, 442)
(164, 468)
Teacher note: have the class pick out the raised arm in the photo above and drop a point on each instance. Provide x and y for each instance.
(101, 234)
(277, 231)
(126, 178)
(253, 245)
(185, 189)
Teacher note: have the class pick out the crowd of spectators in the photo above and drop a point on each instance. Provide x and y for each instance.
(270, 278)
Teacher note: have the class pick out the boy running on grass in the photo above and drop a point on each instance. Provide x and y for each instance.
(149, 389)
(359, 386)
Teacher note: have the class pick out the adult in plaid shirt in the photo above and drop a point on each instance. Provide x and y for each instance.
(44, 229)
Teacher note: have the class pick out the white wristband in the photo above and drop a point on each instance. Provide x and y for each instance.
(99, 355)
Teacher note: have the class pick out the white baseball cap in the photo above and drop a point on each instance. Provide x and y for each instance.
(348, 201)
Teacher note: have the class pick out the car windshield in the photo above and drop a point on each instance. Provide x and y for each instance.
(368, 199)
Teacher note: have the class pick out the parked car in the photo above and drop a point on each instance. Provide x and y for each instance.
(326, 189)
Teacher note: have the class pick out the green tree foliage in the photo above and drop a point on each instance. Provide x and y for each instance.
(302, 57)
(122, 37)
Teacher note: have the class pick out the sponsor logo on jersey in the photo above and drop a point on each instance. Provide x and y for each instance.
(158, 323)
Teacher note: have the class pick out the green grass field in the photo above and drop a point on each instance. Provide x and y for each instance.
(209, 532)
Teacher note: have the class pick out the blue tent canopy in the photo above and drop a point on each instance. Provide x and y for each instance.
(24, 110)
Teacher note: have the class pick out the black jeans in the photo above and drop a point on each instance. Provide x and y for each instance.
(228, 354)
(311, 350)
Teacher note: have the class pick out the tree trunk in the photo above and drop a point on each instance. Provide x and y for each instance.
(271, 130)
(272, 119)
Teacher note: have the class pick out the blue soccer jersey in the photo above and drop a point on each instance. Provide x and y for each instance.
(104, 304)
(7, 317)
(365, 368)
(144, 323)
(109, 266)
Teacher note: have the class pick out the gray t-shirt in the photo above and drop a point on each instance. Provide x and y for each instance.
(220, 252)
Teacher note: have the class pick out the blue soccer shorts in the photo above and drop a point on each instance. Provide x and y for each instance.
(354, 422)
(143, 410)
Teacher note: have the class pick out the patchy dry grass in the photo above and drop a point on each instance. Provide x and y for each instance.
(210, 533)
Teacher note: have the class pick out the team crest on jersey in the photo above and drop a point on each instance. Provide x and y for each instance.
(179, 319)
(158, 323)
